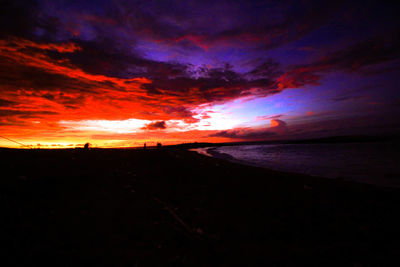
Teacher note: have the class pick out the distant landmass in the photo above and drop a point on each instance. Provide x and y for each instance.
(326, 140)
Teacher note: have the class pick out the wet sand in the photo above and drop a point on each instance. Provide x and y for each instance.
(172, 207)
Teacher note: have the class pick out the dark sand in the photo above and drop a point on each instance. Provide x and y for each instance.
(173, 207)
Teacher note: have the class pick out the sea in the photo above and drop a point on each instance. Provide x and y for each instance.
(373, 163)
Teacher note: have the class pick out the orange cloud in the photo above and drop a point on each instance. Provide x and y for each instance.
(275, 123)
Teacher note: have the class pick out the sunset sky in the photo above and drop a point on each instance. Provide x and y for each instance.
(120, 73)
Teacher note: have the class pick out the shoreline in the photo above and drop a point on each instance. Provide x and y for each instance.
(212, 152)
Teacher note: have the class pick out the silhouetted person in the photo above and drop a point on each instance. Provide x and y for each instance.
(159, 145)
(144, 146)
(86, 146)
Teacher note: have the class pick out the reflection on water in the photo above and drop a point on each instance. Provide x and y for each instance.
(376, 163)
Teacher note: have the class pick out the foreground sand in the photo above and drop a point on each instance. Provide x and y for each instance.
(173, 207)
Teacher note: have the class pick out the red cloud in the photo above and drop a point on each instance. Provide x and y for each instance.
(298, 77)
(18, 44)
(34, 80)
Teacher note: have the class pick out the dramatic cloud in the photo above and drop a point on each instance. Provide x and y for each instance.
(170, 88)
(158, 125)
(133, 66)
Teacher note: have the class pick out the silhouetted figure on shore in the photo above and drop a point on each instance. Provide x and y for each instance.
(86, 146)
(159, 145)
(144, 146)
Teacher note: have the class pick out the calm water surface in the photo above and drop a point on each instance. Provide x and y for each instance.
(375, 163)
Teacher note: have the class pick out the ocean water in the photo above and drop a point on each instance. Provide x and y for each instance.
(373, 163)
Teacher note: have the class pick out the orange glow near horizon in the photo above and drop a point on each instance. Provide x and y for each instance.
(110, 141)
(113, 133)
(78, 107)
(70, 114)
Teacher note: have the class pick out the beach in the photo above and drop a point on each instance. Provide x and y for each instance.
(374, 163)
(173, 207)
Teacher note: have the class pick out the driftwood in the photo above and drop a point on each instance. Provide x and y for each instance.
(190, 231)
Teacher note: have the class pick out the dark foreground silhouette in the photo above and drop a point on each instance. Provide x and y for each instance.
(170, 207)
